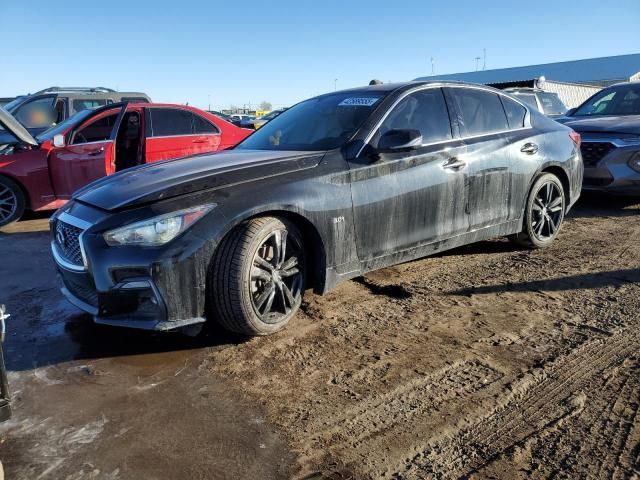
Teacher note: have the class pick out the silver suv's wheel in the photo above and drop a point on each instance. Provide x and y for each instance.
(258, 277)
(544, 212)
(12, 201)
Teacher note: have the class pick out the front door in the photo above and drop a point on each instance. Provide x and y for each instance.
(89, 153)
(485, 130)
(409, 198)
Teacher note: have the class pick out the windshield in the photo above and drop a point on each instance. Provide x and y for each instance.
(14, 103)
(551, 103)
(621, 100)
(63, 126)
(321, 123)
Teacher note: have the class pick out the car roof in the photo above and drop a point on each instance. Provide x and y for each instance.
(401, 86)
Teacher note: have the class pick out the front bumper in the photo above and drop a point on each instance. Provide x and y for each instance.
(612, 172)
(151, 289)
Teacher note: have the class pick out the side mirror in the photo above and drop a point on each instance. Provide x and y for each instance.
(400, 140)
(58, 140)
(569, 112)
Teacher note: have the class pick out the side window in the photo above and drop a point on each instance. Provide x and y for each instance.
(516, 113)
(96, 131)
(481, 111)
(134, 100)
(84, 104)
(167, 122)
(202, 126)
(425, 111)
(39, 113)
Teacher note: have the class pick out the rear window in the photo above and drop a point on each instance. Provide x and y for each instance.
(516, 113)
(166, 122)
(202, 126)
(551, 103)
(481, 111)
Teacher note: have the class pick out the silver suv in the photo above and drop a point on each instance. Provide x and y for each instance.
(545, 102)
(39, 111)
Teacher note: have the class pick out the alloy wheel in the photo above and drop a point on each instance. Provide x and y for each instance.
(276, 278)
(8, 203)
(547, 211)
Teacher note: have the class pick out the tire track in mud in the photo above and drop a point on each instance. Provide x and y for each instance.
(538, 406)
(414, 398)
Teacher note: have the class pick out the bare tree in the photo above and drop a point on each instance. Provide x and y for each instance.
(266, 105)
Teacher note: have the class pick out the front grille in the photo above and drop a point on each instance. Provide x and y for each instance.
(593, 152)
(80, 286)
(67, 238)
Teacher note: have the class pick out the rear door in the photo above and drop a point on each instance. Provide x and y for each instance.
(88, 154)
(485, 132)
(173, 132)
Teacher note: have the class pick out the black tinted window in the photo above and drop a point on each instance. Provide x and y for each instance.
(515, 112)
(481, 111)
(97, 131)
(425, 111)
(202, 126)
(170, 121)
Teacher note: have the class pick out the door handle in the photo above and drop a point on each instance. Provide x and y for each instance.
(201, 140)
(454, 164)
(97, 152)
(529, 148)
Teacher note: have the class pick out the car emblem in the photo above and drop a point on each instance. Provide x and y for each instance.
(61, 238)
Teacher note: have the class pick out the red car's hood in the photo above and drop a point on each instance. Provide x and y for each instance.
(14, 129)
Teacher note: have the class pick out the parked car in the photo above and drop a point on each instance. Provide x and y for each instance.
(41, 173)
(260, 121)
(238, 119)
(609, 123)
(334, 187)
(40, 111)
(545, 102)
(221, 115)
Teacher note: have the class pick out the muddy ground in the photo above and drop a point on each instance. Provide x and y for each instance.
(487, 362)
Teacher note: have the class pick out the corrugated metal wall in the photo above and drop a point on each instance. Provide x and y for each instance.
(570, 93)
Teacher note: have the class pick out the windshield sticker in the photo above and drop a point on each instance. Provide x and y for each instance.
(358, 102)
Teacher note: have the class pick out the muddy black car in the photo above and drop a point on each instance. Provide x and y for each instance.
(336, 186)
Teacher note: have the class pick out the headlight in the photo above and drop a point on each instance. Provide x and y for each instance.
(634, 162)
(157, 230)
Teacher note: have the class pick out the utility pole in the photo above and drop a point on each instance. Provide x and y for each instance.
(335, 84)
(433, 66)
(209, 98)
(477, 61)
(484, 59)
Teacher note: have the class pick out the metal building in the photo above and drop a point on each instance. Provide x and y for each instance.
(573, 81)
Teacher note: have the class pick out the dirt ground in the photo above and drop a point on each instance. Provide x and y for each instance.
(486, 362)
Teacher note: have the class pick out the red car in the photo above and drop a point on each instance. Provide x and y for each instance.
(42, 173)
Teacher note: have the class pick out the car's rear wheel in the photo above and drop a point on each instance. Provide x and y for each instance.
(258, 276)
(12, 201)
(544, 212)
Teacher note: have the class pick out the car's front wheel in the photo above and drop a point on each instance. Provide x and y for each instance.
(544, 212)
(257, 277)
(12, 201)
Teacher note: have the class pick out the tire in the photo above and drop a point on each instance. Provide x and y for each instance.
(251, 289)
(544, 213)
(12, 201)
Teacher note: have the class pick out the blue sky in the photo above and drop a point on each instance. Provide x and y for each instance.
(284, 51)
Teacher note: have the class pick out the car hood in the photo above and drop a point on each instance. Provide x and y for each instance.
(13, 130)
(629, 124)
(172, 178)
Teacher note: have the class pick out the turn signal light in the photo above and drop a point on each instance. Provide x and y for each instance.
(575, 136)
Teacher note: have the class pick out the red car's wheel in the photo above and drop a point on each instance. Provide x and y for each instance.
(12, 201)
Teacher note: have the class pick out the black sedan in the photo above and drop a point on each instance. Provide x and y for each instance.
(336, 186)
